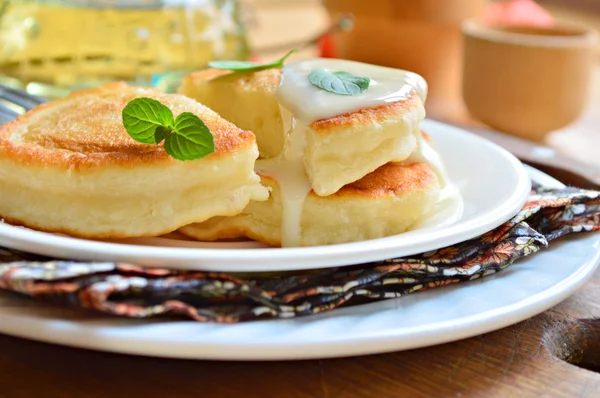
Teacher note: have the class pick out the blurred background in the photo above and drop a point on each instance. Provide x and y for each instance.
(50, 47)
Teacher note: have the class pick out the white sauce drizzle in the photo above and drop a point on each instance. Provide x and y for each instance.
(288, 171)
(309, 103)
(426, 154)
(449, 206)
(302, 104)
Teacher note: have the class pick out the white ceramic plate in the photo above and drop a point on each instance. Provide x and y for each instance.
(492, 182)
(527, 288)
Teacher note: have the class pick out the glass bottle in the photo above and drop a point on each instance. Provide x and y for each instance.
(51, 47)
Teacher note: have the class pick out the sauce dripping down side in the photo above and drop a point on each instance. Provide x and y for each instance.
(288, 171)
(427, 154)
(449, 207)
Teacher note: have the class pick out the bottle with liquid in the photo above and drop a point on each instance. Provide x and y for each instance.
(50, 47)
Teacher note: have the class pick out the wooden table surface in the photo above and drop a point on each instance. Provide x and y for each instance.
(529, 359)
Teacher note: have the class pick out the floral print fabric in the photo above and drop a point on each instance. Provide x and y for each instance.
(134, 291)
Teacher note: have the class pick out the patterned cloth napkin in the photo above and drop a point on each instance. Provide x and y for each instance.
(133, 291)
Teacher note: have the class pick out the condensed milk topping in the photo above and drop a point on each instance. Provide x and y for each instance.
(310, 104)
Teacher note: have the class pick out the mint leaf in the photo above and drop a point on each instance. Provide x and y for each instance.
(245, 66)
(142, 117)
(148, 121)
(161, 133)
(234, 65)
(191, 139)
(342, 83)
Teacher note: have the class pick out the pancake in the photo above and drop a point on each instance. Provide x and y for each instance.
(337, 149)
(69, 166)
(386, 202)
(345, 148)
(247, 100)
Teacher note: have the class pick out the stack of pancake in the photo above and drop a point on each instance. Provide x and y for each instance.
(333, 168)
(339, 168)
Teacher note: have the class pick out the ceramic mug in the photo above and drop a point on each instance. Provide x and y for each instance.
(527, 81)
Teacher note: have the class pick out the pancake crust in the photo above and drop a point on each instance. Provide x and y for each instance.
(391, 180)
(386, 202)
(337, 151)
(69, 166)
(58, 132)
(365, 117)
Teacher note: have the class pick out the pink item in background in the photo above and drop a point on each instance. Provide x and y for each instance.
(518, 12)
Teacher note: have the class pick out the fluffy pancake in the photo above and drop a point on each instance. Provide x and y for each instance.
(337, 150)
(69, 166)
(247, 100)
(386, 202)
(345, 148)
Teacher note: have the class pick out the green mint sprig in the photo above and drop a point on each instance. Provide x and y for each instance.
(246, 66)
(186, 138)
(342, 83)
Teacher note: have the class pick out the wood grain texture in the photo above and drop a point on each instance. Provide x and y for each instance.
(516, 361)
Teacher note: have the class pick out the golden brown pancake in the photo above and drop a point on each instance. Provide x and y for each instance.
(385, 202)
(69, 166)
(337, 151)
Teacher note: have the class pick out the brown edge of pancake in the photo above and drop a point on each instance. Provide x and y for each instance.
(366, 116)
(391, 179)
(228, 138)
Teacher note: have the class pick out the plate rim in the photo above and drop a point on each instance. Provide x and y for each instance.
(269, 259)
